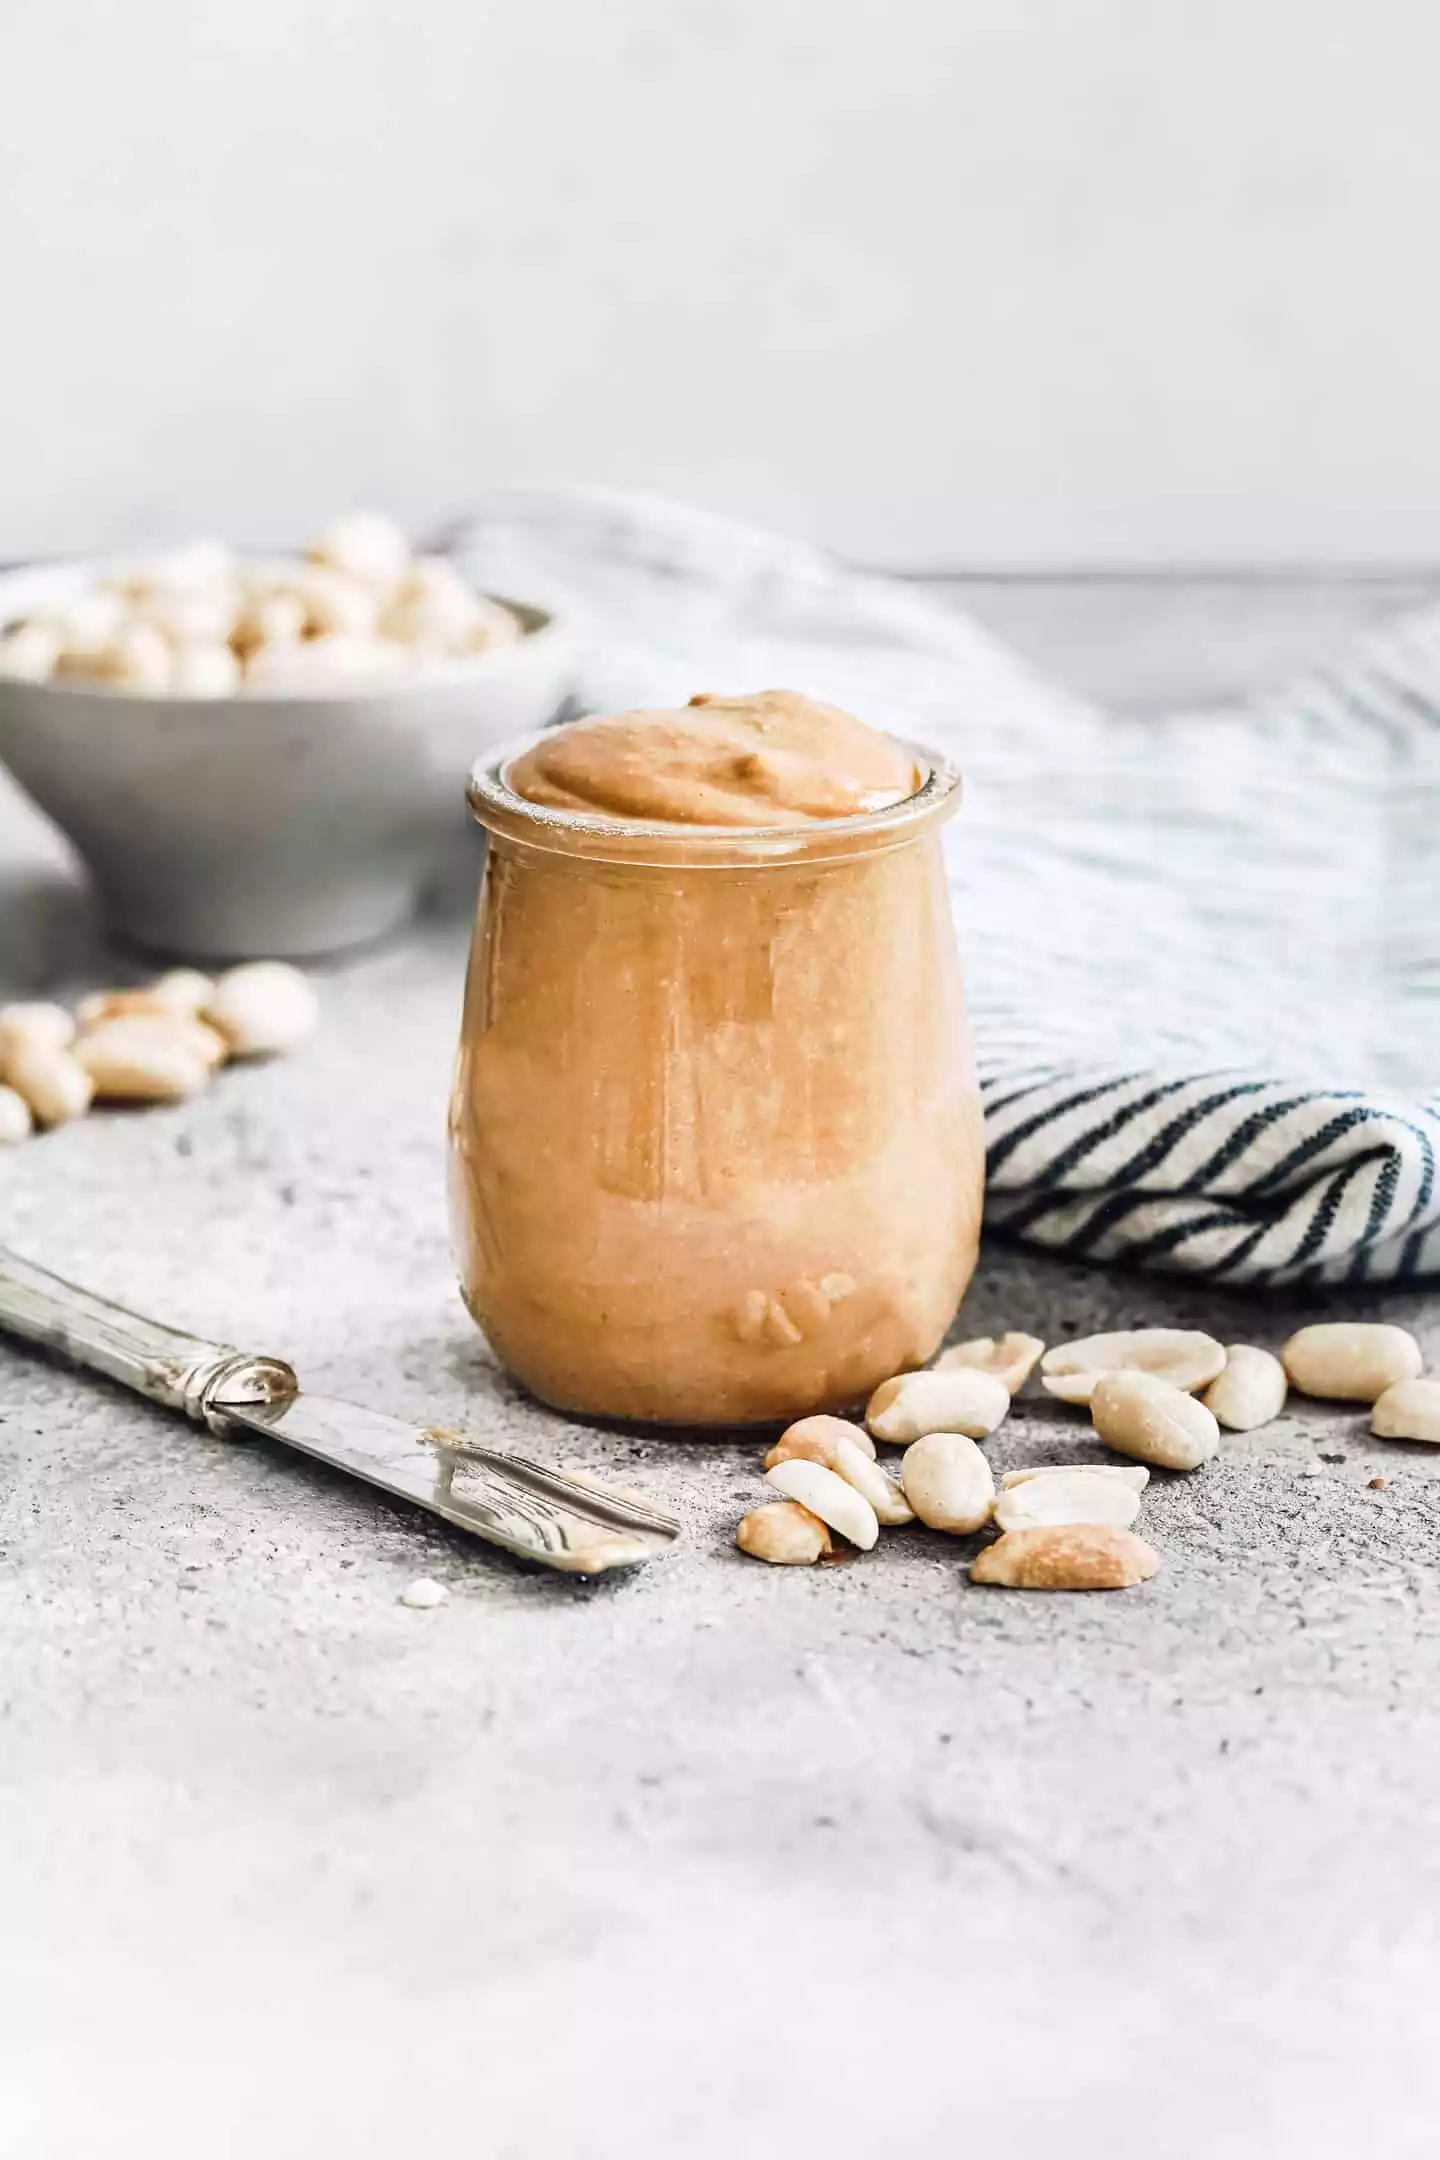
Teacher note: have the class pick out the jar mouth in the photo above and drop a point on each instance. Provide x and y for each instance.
(496, 806)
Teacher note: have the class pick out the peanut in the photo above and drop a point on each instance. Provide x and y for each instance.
(437, 611)
(1250, 1391)
(203, 616)
(86, 622)
(335, 603)
(365, 546)
(948, 1482)
(269, 617)
(53, 1083)
(183, 989)
(1009, 1358)
(29, 651)
(1071, 1496)
(815, 1439)
(784, 1533)
(958, 1401)
(1350, 1360)
(16, 1123)
(830, 1497)
(495, 625)
(322, 665)
(33, 1027)
(204, 669)
(872, 1483)
(1139, 1414)
(1135, 1475)
(138, 658)
(135, 1059)
(1078, 1556)
(262, 1009)
(1182, 1356)
(102, 1005)
(197, 566)
(1408, 1410)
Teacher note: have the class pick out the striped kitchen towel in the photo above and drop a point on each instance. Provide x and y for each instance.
(1203, 952)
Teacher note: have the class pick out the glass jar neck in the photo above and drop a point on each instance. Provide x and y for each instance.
(597, 838)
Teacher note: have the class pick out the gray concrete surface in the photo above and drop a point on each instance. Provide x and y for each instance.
(710, 1860)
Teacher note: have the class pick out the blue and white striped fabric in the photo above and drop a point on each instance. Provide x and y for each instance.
(1203, 952)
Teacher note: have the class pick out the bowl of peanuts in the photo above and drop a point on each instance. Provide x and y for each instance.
(265, 754)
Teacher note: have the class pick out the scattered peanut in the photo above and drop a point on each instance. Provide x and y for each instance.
(139, 1059)
(1408, 1410)
(784, 1533)
(1079, 1556)
(829, 1496)
(52, 1083)
(34, 1026)
(183, 989)
(146, 1045)
(1250, 1391)
(1350, 1360)
(1182, 1356)
(1139, 1414)
(1135, 1475)
(1071, 1496)
(959, 1401)
(16, 1123)
(872, 1483)
(103, 1005)
(948, 1482)
(263, 1008)
(207, 1042)
(1008, 1358)
(815, 1439)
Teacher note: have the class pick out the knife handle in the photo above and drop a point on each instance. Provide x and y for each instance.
(180, 1371)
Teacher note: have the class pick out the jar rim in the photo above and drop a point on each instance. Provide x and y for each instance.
(496, 806)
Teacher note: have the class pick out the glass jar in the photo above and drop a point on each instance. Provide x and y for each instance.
(716, 1144)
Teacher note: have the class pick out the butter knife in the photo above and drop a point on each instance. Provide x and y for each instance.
(563, 1520)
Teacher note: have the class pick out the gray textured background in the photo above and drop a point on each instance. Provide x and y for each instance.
(713, 1860)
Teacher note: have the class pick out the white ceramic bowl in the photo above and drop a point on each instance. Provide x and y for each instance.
(288, 826)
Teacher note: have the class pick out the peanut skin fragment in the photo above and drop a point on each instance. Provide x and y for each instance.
(1079, 1556)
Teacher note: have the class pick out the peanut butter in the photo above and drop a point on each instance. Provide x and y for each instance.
(771, 759)
(717, 1154)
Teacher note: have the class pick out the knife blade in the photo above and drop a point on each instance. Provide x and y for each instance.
(562, 1519)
